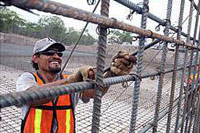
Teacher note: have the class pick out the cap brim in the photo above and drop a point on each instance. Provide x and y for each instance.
(56, 45)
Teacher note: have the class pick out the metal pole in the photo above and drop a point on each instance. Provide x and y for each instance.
(101, 51)
(175, 70)
(183, 73)
(138, 69)
(191, 62)
(197, 116)
(186, 53)
(162, 68)
(195, 86)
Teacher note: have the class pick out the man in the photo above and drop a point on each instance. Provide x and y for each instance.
(57, 115)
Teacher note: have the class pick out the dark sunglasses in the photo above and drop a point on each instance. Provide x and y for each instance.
(51, 53)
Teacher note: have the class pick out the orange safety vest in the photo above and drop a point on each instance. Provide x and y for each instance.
(39, 119)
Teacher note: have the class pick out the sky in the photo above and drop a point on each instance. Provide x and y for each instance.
(118, 11)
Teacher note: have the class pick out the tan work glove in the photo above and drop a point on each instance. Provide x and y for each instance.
(84, 73)
(122, 63)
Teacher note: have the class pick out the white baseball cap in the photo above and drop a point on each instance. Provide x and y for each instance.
(44, 44)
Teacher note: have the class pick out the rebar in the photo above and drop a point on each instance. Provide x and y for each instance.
(188, 40)
(175, 67)
(194, 86)
(138, 69)
(162, 69)
(191, 62)
(197, 116)
(68, 11)
(22, 98)
(182, 73)
(101, 51)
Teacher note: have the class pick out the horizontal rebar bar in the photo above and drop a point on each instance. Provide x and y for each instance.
(138, 9)
(158, 73)
(68, 11)
(24, 97)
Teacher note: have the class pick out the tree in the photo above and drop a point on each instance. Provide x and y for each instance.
(10, 21)
(47, 26)
(52, 27)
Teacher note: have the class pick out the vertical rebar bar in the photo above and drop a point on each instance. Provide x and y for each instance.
(191, 61)
(101, 51)
(139, 68)
(194, 83)
(162, 67)
(175, 67)
(186, 54)
(184, 66)
(196, 125)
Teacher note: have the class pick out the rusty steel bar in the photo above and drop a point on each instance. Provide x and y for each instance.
(101, 51)
(162, 68)
(175, 70)
(24, 97)
(196, 125)
(188, 40)
(194, 87)
(191, 62)
(183, 74)
(136, 90)
(68, 11)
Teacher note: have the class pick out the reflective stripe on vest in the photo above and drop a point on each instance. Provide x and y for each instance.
(39, 119)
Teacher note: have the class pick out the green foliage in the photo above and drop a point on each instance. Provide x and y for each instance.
(10, 21)
(119, 37)
(47, 26)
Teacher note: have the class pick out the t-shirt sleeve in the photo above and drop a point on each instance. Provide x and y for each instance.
(25, 81)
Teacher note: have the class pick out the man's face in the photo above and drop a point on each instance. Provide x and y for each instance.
(49, 61)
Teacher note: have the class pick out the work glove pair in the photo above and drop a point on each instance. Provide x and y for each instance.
(121, 64)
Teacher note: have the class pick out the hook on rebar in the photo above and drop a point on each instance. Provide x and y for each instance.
(91, 2)
(98, 30)
(157, 28)
(130, 15)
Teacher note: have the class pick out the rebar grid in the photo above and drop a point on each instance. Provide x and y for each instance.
(187, 100)
(86, 86)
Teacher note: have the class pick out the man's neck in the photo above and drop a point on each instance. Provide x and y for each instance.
(48, 76)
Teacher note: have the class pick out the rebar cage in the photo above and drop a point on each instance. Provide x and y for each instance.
(156, 98)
